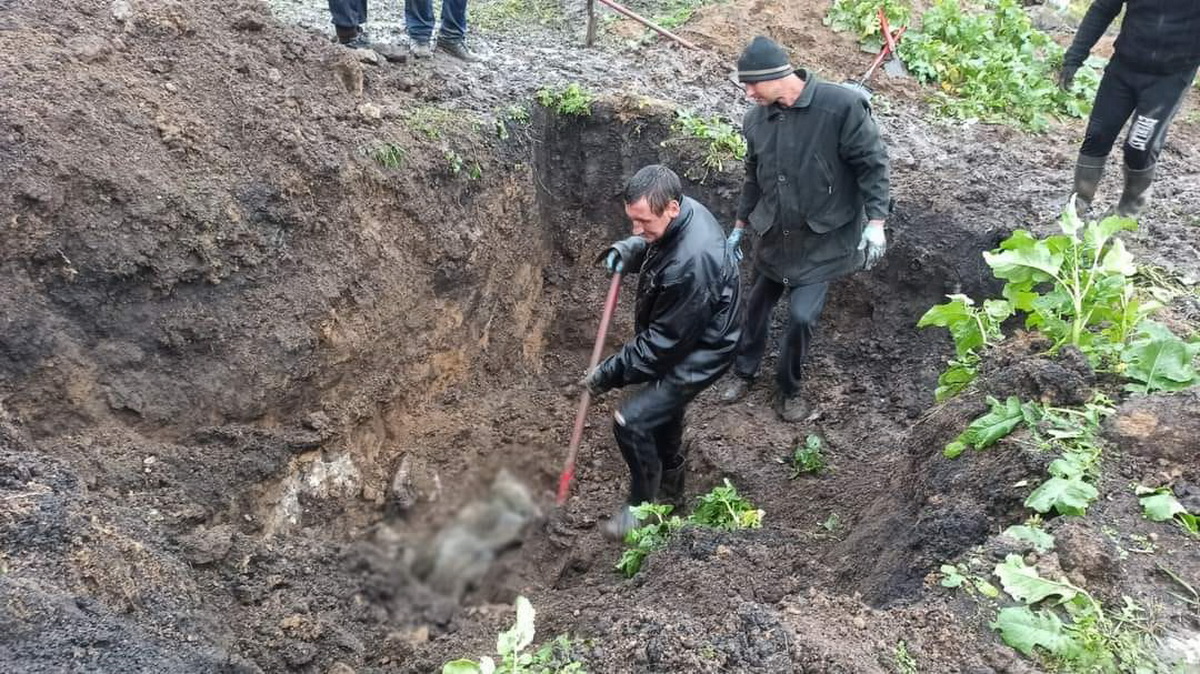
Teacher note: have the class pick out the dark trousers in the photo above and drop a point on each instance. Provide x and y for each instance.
(1152, 99)
(649, 431)
(348, 13)
(804, 308)
(418, 20)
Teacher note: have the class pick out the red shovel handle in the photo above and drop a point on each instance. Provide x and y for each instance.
(568, 472)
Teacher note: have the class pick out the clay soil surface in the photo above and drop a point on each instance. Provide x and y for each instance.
(289, 338)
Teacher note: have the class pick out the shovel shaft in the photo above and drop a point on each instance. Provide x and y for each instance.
(568, 472)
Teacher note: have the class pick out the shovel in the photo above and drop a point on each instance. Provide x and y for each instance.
(893, 67)
(568, 472)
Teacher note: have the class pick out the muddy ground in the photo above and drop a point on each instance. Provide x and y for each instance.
(273, 315)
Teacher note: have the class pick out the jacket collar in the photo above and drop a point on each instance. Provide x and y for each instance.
(678, 223)
(806, 96)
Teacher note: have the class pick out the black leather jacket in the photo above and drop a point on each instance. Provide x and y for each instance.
(1158, 37)
(687, 314)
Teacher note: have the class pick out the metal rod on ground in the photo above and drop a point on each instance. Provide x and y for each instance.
(568, 472)
(647, 22)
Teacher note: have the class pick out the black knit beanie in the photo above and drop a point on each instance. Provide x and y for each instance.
(763, 60)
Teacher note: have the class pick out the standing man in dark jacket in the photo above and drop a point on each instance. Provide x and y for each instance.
(1155, 60)
(816, 194)
(686, 322)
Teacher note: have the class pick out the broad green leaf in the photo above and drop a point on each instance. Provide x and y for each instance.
(1190, 522)
(1024, 630)
(461, 667)
(1069, 222)
(999, 422)
(1098, 233)
(986, 589)
(1020, 299)
(956, 377)
(951, 577)
(1024, 259)
(1024, 584)
(998, 310)
(1039, 539)
(1068, 496)
(958, 317)
(1159, 360)
(521, 635)
(1065, 468)
(1118, 260)
(1161, 506)
(953, 449)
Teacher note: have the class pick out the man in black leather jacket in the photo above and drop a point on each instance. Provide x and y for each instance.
(686, 323)
(1155, 60)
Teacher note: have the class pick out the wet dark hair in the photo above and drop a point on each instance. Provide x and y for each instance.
(658, 184)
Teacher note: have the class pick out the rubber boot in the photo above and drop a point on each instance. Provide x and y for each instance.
(1136, 194)
(620, 524)
(1088, 171)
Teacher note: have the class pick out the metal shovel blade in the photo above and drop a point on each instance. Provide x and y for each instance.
(895, 68)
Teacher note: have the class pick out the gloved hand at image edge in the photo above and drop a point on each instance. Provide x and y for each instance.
(592, 382)
(1066, 77)
(734, 244)
(624, 255)
(873, 243)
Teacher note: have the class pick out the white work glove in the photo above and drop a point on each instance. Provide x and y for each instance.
(874, 243)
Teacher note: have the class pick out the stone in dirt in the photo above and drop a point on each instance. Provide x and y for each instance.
(89, 48)
(1161, 426)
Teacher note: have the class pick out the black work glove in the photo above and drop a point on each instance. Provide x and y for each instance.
(593, 383)
(1066, 77)
(618, 255)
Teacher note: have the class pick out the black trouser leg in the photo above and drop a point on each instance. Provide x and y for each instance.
(763, 296)
(1116, 99)
(1158, 99)
(649, 429)
(348, 14)
(804, 309)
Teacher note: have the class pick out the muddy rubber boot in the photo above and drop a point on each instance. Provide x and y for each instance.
(620, 524)
(1136, 194)
(672, 487)
(736, 390)
(792, 409)
(1088, 171)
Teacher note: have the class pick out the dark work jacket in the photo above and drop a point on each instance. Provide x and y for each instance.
(687, 313)
(813, 170)
(1158, 37)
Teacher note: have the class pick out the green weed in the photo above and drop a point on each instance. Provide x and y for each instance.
(388, 155)
(721, 508)
(572, 99)
(808, 457)
(862, 18)
(552, 658)
(1071, 630)
(459, 166)
(498, 16)
(430, 122)
(722, 142)
(904, 661)
(989, 63)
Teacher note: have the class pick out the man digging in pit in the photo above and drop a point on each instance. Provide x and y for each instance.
(686, 322)
(816, 196)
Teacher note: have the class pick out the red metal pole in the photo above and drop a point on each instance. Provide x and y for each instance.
(647, 22)
(568, 472)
